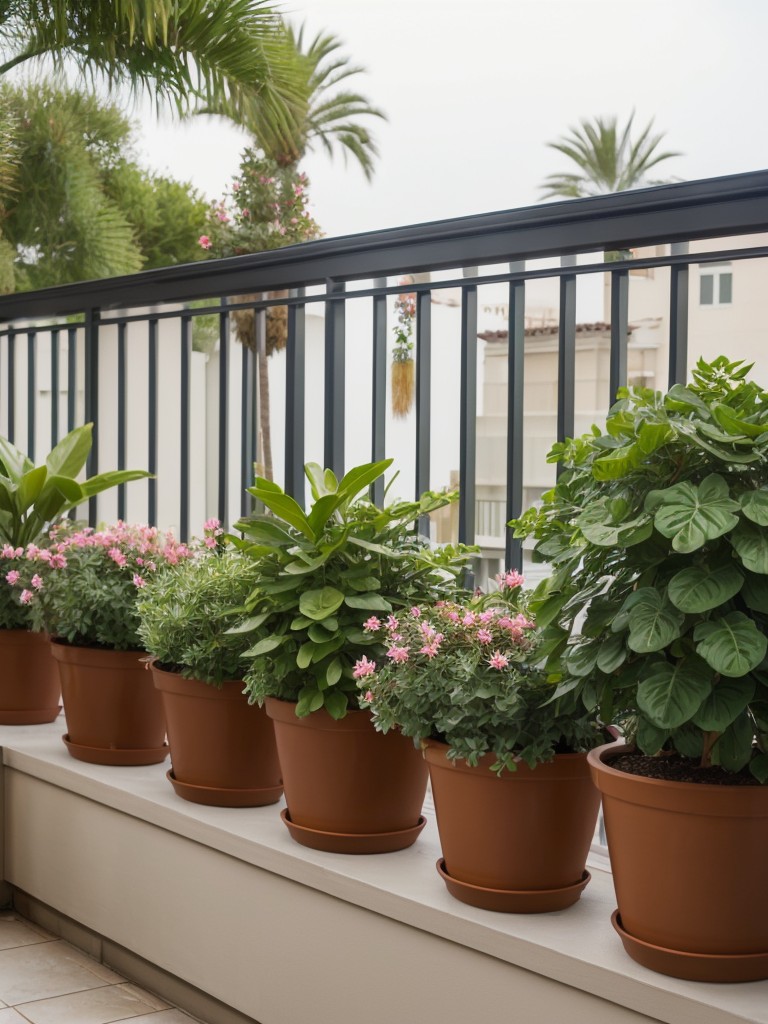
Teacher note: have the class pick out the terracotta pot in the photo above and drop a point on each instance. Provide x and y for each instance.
(688, 866)
(30, 689)
(517, 841)
(222, 748)
(114, 713)
(349, 789)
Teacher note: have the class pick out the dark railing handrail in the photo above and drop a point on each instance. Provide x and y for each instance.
(683, 211)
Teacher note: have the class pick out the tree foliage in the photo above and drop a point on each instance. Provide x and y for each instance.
(607, 157)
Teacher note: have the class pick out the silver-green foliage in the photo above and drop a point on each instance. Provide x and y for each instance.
(322, 573)
(657, 608)
(186, 614)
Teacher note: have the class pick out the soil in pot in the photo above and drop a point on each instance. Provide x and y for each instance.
(688, 866)
(518, 841)
(343, 781)
(114, 713)
(30, 690)
(223, 750)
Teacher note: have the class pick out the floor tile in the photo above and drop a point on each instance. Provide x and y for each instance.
(17, 933)
(95, 1006)
(155, 1002)
(163, 1017)
(10, 1016)
(49, 969)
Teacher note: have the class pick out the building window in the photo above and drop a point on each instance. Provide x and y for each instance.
(716, 285)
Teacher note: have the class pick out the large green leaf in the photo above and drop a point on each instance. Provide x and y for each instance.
(754, 505)
(751, 544)
(103, 481)
(13, 461)
(580, 658)
(700, 588)
(733, 749)
(728, 699)
(318, 604)
(269, 643)
(732, 645)
(617, 463)
(368, 602)
(264, 530)
(285, 508)
(671, 694)
(735, 424)
(654, 622)
(649, 738)
(30, 486)
(693, 515)
(361, 477)
(612, 653)
(323, 510)
(71, 453)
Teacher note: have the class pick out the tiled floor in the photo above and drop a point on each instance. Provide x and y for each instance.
(44, 980)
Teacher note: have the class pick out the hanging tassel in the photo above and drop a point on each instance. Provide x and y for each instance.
(403, 386)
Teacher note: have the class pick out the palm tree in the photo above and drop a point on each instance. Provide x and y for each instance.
(322, 112)
(607, 158)
(185, 51)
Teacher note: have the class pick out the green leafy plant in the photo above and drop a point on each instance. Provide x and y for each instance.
(186, 612)
(466, 674)
(84, 587)
(33, 498)
(320, 571)
(656, 612)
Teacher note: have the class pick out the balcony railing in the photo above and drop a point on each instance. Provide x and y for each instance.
(123, 352)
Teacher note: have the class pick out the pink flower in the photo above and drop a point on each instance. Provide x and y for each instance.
(37, 582)
(498, 660)
(204, 242)
(372, 624)
(223, 216)
(427, 630)
(117, 556)
(26, 596)
(487, 616)
(416, 612)
(430, 650)
(510, 579)
(212, 524)
(484, 636)
(392, 623)
(469, 619)
(368, 698)
(138, 581)
(8, 551)
(58, 562)
(12, 576)
(364, 667)
(398, 653)
(210, 542)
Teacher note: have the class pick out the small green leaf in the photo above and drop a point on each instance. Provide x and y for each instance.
(699, 588)
(310, 699)
(581, 658)
(754, 505)
(728, 699)
(751, 544)
(650, 739)
(319, 604)
(693, 515)
(248, 625)
(732, 645)
(333, 672)
(654, 622)
(368, 602)
(266, 645)
(612, 653)
(335, 703)
(733, 749)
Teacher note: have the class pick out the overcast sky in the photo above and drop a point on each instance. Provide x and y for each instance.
(474, 90)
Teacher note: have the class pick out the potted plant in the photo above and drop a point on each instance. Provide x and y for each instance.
(32, 499)
(83, 592)
(657, 612)
(516, 808)
(222, 748)
(348, 788)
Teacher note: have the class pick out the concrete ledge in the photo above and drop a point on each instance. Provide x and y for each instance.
(223, 900)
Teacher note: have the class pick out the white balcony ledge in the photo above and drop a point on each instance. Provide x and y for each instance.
(225, 901)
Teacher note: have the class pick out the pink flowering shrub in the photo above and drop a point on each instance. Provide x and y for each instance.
(84, 586)
(467, 674)
(266, 207)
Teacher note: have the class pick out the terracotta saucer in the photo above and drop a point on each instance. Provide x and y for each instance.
(693, 966)
(348, 842)
(511, 901)
(115, 755)
(215, 796)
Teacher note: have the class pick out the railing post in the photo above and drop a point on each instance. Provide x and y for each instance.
(54, 386)
(468, 414)
(122, 412)
(619, 332)
(223, 476)
(513, 549)
(423, 390)
(295, 377)
(678, 318)
(12, 386)
(379, 386)
(31, 392)
(92, 400)
(185, 384)
(335, 351)
(152, 393)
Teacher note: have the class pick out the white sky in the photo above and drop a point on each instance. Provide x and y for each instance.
(474, 90)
